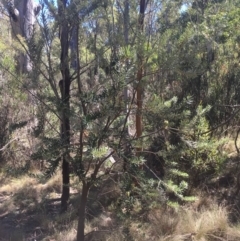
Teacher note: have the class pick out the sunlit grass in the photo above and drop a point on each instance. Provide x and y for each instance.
(201, 221)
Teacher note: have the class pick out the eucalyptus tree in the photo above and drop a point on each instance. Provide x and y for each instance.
(90, 116)
(68, 17)
(23, 15)
(6, 61)
(82, 88)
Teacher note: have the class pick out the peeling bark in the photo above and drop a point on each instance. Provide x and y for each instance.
(23, 15)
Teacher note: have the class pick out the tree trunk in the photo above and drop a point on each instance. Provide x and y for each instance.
(65, 24)
(82, 212)
(66, 181)
(126, 39)
(65, 94)
(23, 16)
(139, 77)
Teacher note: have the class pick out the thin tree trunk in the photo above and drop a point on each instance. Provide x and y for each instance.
(139, 104)
(126, 39)
(139, 77)
(65, 93)
(82, 212)
(66, 182)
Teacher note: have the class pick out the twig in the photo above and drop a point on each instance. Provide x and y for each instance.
(221, 124)
(96, 231)
(216, 237)
(181, 236)
(5, 147)
(235, 141)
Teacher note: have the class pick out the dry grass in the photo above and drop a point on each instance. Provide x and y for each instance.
(187, 224)
(55, 183)
(229, 147)
(67, 235)
(27, 193)
(202, 221)
(204, 225)
(14, 185)
(29, 186)
(166, 225)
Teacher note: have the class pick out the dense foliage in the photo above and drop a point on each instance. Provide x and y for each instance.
(141, 88)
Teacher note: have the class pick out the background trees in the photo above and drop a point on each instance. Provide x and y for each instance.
(95, 66)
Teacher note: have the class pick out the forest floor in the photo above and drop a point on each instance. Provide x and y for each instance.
(30, 211)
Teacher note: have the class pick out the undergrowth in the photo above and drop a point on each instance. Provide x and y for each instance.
(24, 202)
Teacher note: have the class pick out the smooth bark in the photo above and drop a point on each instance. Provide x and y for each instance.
(23, 15)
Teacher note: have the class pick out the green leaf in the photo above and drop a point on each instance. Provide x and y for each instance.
(99, 152)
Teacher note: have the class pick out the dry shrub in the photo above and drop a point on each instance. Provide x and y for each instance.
(204, 225)
(67, 235)
(163, 221)
(54, 184)
(17, 184)
(202, 221)
(6, 206)
(208, 223)
(202, 203)
(187, 224)
(139, 231)
(229, 147)
(27, 193)
(103, 221)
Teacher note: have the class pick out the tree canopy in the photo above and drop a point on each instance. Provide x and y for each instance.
(148, 89)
